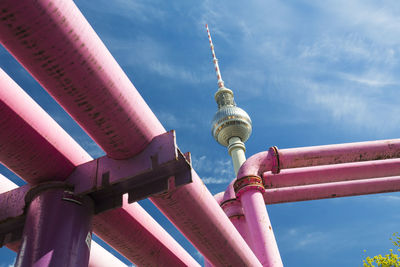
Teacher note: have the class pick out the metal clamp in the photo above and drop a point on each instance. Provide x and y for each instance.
(248, 183)
(276, 164)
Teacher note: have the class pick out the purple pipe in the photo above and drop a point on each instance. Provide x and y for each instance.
(332, 173)
(60, 49)
(99, 257)
(29, 137)
(57, 232)
(332, 190)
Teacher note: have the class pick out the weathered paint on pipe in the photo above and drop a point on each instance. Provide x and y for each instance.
(132, 237)
(60, 49)
(234, 210)
(332, 190)
(371, 151)
(99, 257)
(339, 153)
(31, 136)
(55, 43)
(260, 229)
(57, 232)
(301, 157)
(194, 221)
(332, 173)
(320, 155)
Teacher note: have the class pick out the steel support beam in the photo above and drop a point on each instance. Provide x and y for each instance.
(160, 168)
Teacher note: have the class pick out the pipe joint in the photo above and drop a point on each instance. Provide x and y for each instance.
(232, 208)
(248, 183)
(276, 166)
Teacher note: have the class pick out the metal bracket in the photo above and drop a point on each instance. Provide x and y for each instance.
(248, 183)
(159, 168)
(105, 180)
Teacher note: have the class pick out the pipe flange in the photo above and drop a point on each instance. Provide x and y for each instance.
(232, 208)
(276, 164)
(248, 183)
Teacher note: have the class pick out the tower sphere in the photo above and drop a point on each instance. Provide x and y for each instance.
(231, 121)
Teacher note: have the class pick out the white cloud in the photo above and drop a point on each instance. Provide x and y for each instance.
(342, 60)
(154, 56)
(213, 171)
(173, 72)
(304, 239)
(137, 10)
(213, 180)
(370, 79)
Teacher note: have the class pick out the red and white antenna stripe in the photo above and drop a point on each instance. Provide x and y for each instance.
(215, 60)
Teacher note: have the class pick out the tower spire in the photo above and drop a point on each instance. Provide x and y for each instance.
(215, 60)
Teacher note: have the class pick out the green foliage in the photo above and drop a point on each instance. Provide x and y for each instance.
(389, 260)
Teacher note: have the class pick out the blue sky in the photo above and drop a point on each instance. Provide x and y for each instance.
(307, 72)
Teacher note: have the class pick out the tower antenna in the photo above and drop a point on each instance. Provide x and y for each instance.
(215, 60)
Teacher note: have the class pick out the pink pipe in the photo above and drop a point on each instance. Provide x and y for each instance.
(320, 155)
(60, 49)
(332, 173)
(202, 222)
(263, 241)
(29, 137)
(302, 157)
(260, 229)
(132, 238)
(234, 210)
(332, 190)
(256, 165)
(55, 43)
(340, 153)
(99, 257)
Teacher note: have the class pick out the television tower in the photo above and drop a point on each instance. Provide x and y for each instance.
(231, 125)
